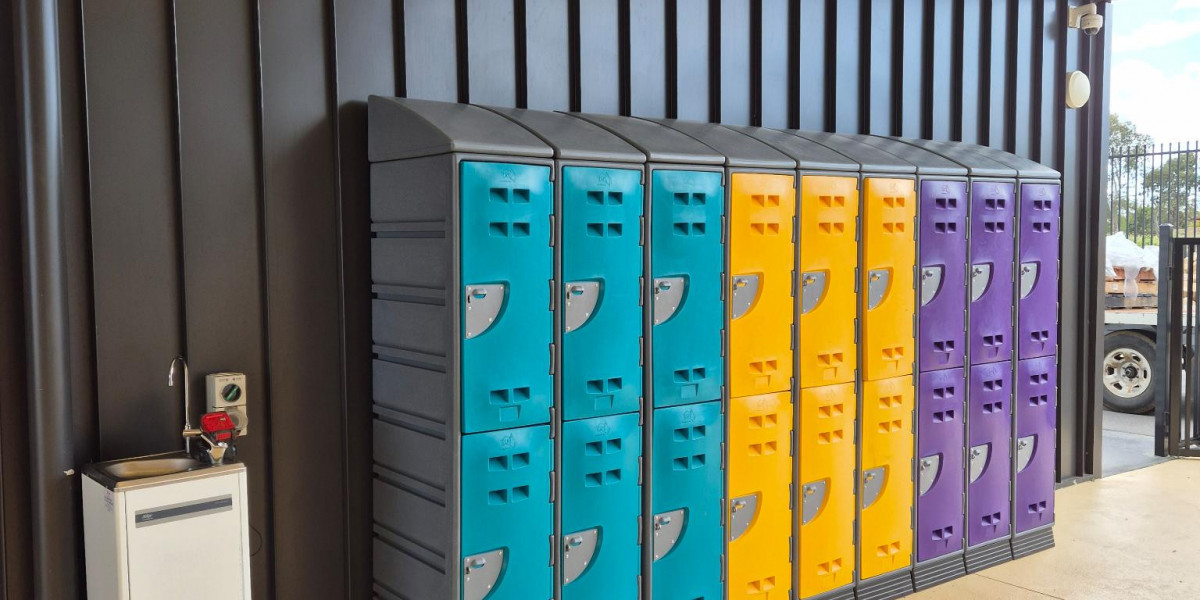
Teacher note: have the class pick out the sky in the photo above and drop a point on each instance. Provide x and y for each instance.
(1156, 67)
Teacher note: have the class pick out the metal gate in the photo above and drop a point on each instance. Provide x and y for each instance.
(1177, 396)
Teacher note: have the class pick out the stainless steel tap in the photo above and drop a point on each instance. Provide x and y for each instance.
(188, 431)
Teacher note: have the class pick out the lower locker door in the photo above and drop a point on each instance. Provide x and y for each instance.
(828, 261)
(601, 291)
(601, 503)
(886, 486)
(989, 469)
(761, 263)
(941, 481)
(826, 505)
(1037, 394)
(507, 517)
(759, 516)
(886, 294)
(688, 257)
(688, 488)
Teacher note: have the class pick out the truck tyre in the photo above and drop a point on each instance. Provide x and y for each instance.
(1128, 372)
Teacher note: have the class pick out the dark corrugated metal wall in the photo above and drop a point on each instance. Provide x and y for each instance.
(215, 193)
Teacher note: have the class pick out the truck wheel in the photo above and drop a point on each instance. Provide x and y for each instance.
(1128, 372)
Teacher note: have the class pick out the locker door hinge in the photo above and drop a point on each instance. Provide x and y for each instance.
(640, 473)
(641, 351)
(553, 487)
(642, 287)
(722, 512)
(722, 463)
(723, 286)
(642, 230)
(856, 328)
(723, 343)
(553, 294)
(791, 498)
(552, 231)
(723, 568)
(639, 530)
(553, 423)
(791, 547)
(553, 550)
(639, 596)
(857, 228)
(641, 411)
(795, 229)
(857, 283)
(553, 359)
(854, 527)
(724, 231)
(793, 283)
(793, 338)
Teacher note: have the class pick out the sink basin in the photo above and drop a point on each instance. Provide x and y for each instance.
(141, 468)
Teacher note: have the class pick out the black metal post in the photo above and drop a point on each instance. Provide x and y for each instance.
(1162, 385)
(52, 479)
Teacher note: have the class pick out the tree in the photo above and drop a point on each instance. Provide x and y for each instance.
(1171, 188)
(1126, 148)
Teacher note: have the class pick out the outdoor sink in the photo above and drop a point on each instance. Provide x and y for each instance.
(149, 466)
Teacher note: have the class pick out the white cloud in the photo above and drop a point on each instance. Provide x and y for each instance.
(1186, 4)
(1157, 35)
(1161, 104)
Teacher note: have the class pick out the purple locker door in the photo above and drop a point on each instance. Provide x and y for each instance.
(1037, 277)
(943, 293)
(989, 468)
(1037, 392)
(940, 476)
(992, 210)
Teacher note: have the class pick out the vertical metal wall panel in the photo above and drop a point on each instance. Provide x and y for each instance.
(886, 292)
(886, 485)
(547, 61)
(828, 263)
(943, 94)
(812, 67)
(1037, 394)
(827, 454)
(974, 89)
(1072, 346)
(601, 292)
(1037, 271)
(689, 488)
(599, 56)
(647, 58)
(775, 62)
(221, 223)
(847, 81)
(301, 251)
(693, 77)
(601, 504)
(989, 439)
(491, 55)
(991, 276)
(735, 63)
(941, 479)
(759, 518)
(941, 275)
(998, 88)
(882, 78)
(914, 68)
(135, 245)
(430, 51)
(1021, 126)
(1045, 96)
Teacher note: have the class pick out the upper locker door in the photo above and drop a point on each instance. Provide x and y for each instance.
(942, 276)
(827, 265)
(507, 324)
(761, 258)
(688, 257)
(601, 301)
(889, 256)
(886, 488)
(991, 277)
(1037, 315)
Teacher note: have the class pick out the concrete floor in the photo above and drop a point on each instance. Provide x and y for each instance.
(1128, 443)
(1128, 536)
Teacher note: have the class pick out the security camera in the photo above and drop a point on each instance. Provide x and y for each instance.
(1086, 18)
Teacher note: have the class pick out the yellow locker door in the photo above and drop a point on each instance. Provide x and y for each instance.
(889, 256)
(761, 253)
(886, 490)
(826, 508)
(759, 518)
(827, 267)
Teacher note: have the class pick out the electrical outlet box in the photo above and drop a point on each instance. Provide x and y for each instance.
(226, 392)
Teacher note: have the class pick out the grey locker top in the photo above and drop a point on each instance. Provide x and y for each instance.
(967, 155)
(872, 159)
(740, 150)
(1023, 166)
(659, 143)
(405, 128)
(571, 138)
(808, 155)
(927, 163)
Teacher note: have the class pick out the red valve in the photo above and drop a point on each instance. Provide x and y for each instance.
(219, 424)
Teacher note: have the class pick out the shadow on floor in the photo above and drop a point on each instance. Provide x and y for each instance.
(1128, 443)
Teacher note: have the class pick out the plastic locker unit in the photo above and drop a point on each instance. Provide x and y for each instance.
(461, 261)
(941, 346)
(762, 208)
(825, 560)
(887, 305)
(600, 202)
(686, 320)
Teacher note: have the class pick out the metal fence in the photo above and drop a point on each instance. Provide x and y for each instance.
(1177, 364)
(1150, 186)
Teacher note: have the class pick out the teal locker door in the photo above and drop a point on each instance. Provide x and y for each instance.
(602, 312)
(688, 487)
(687, 258)
(601, 503)
(507, 265)
(507, 518)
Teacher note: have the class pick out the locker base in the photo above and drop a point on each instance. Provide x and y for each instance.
(1031, 542)
(938, 571)
(887, 586)
(843, 593)
(987, 555)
